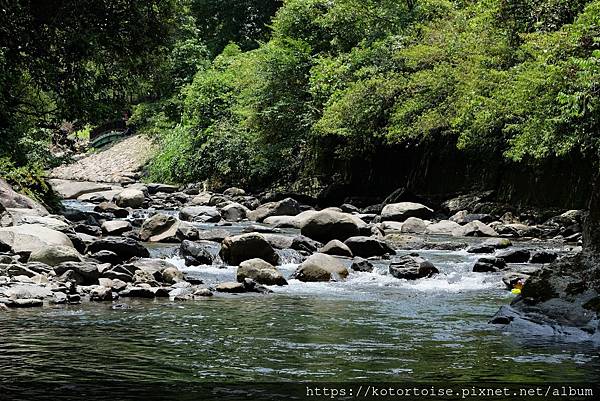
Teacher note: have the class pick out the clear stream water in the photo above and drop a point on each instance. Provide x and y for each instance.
(370, 327)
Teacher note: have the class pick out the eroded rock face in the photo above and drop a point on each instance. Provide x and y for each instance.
(260, 271)
(321, 267)
(410, 267)
(238, 248)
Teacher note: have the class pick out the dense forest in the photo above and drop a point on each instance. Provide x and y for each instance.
(263, 93)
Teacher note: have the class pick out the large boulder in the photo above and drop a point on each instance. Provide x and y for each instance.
(55, 255)
(414, 225)
(200, 214)
(260, 271)
(443, 227)
(125, 248)
(234, 212)
(337, 248)
(330, 224)
(29, 237)
(130, 197)
(238, 248)
(73, 189)
(195, 254)
(116, 227)
(321, 267)
(160, 228)
(285, 207)
(403, 210)
(410, 267)
(11, 199)
(368, 246)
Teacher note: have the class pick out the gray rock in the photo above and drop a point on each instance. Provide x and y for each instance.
(410, 267)
(403, 210)
(164, 188)
(444, 227)
(125, 248)
(514, 256)
(29, 237)
(130, 197)
(260, 271)
(336, 248)
(414, 225)
(489, 265)
(238, 248)
(367, 247)
(160, 228)
(231, 287)
(109, 207)
(497, 243)
(84, 273)
(11, 199)
(361, 265)
(55, 255)
(234, 212)
(321, 267)
(475, 229)
(200, 214)
(172, 275)
(329, 224)
(73, 189)
(214, 235)
(305, 244)
(195, 254)
(480, 249)
(543, 257)
(233, 191)
(116, 227)
(285, 207)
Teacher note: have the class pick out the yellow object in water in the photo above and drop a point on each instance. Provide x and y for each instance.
(516, 291)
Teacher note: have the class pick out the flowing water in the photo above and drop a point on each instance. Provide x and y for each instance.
(371, 326)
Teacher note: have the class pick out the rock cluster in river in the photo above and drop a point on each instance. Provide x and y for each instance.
(101, 253)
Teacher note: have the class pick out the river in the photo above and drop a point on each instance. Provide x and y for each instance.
(369, 327)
